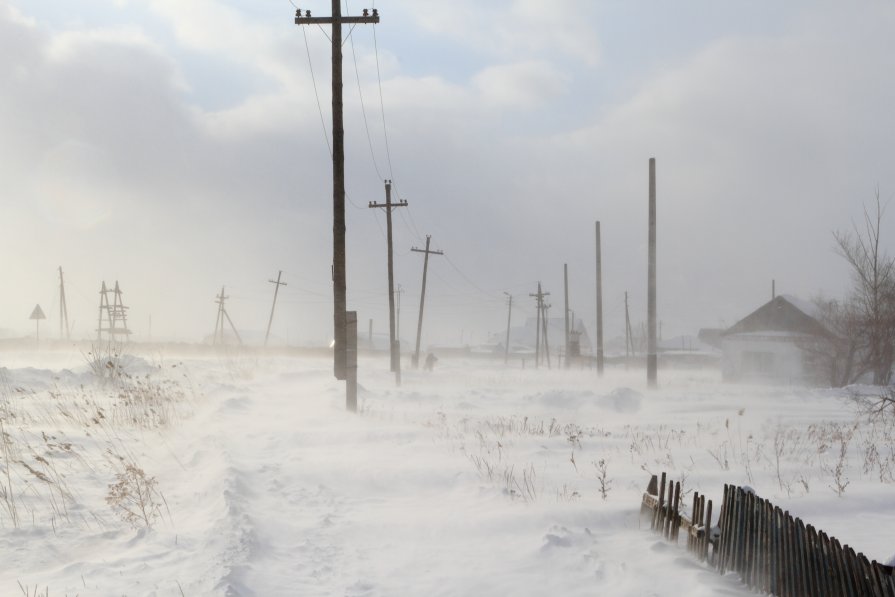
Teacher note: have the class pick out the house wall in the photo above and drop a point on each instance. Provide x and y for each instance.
(763, 358)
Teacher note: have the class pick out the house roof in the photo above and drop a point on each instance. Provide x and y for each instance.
(784, 313)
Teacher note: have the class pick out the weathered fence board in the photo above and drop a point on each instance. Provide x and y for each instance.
(772, 551)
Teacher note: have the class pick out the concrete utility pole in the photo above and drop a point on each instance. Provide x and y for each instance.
(419, 325)
(599, 303)
(565, 274)
(338, 147)
(506, 353)
(651, 356)
(394, 346)
(274, 306)
(629, 339)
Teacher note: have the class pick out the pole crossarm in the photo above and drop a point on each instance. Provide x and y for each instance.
(365, 19)
(429, 251)
(392, 205)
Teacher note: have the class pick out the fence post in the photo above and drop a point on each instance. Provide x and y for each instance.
(657, 517)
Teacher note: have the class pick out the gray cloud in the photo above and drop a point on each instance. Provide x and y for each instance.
(765, 142)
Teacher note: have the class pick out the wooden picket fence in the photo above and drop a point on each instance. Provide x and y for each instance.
(772, 551)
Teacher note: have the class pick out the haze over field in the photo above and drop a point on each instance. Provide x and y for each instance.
(178, 147)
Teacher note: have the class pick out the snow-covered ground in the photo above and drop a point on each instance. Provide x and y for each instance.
(474, 479)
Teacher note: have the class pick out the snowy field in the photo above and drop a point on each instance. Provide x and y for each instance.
(243, 475)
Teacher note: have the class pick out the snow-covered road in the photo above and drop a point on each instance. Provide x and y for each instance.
(273, 489)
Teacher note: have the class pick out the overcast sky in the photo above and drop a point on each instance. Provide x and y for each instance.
(176, 146)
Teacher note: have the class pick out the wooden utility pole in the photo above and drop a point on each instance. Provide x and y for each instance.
(351, 361)
(274, 306)
(63, 309)
(651, 356)
(223, 315)
(419, 325)
(545, 321)
(398, 292)
(338, 148)
(393, 342)
(600, 303)
(506, 352)
(541, 313)
(565, 276)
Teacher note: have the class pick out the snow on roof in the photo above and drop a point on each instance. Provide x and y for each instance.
(784, 313)
(807, 307)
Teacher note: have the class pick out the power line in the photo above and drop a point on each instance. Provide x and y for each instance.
(363, 108)
(320, 107)
(388, 152)
(316, 94)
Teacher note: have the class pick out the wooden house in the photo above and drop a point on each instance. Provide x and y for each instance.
(774, 344)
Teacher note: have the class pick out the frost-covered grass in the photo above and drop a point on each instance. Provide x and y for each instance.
(241, 474)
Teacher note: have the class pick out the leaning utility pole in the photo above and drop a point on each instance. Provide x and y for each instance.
(419, 325)
(565, 275)
(338, 150)
(394, 347)
(222, 315)
(274, 306)
(651, 356)
(506, 352)
(599, 303)
(63, 309)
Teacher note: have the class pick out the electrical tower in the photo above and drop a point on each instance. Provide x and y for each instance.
(394, 347)
(419, 325)
(338, 152)
(114, 312)
(274, 306)
(219, 323)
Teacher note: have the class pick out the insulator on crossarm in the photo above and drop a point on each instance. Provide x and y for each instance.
(366, 12)
(308, 14)
(375, 12)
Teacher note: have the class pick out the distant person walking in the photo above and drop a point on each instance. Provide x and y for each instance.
(431, 359)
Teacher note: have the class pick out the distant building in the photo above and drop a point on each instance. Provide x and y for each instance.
(772, 344)
(523, 337)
